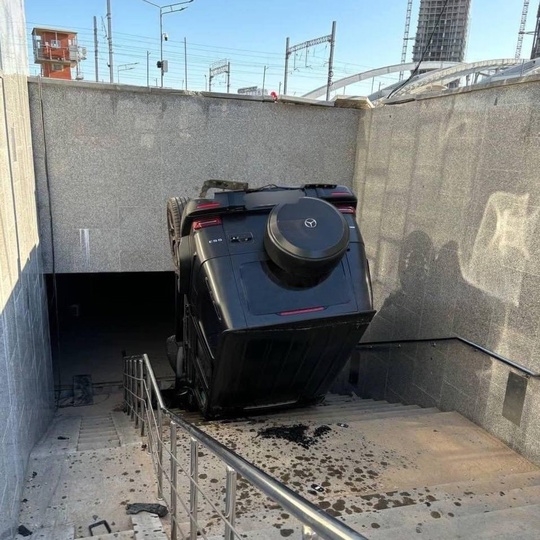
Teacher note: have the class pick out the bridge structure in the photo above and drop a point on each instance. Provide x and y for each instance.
(434, 74)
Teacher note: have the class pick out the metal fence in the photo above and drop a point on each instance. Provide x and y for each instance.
(163, 429)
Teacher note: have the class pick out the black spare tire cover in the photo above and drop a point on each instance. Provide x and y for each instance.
(306, 237)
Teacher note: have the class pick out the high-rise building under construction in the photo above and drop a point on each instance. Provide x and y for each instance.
(442, 28)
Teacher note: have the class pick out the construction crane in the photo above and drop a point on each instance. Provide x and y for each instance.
(406, 35)
(522, 25)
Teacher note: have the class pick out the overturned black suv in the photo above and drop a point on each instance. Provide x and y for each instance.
(273, 293)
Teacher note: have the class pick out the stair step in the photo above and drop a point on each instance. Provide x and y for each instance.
(109, 427)
(460, 491)
(60, 532)
(347, 412)
(97, 422)
(335, 411)
(98, 433)
(85, 447)
(320, 417)
(343, 397)
(101, 425)
(521, 523)
(148, 527)
(409, 413)
(97, 440)
(450, 507)
(120, 535)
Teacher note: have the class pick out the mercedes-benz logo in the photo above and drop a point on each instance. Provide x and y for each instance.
(310, 223)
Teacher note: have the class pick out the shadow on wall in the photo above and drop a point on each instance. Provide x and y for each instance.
(26, 381)
(433, 301)
(435, 291)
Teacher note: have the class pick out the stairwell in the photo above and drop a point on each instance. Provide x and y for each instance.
(385, 469)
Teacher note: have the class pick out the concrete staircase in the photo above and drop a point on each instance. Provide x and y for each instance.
(87, 468)
(389, 471)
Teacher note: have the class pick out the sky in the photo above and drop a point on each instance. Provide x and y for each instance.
(251, 35)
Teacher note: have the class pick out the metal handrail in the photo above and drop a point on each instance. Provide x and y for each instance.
(140, 385)
(493, 354)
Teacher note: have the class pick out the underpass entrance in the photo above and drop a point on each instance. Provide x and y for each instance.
(96, 318)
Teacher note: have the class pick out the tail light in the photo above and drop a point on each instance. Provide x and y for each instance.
(206, 205)
(300, 311)
(346, 209)
(206, 222)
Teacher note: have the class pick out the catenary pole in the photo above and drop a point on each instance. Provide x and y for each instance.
(286, 67)
(109, 39)
(331, 61)
(185, 62)
(96, 61)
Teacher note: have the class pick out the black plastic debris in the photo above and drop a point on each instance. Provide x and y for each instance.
(320, 431)
(23, 531)
(62, 438)
(99, 524)
(34, 474)
(296, 433)
(151, 508)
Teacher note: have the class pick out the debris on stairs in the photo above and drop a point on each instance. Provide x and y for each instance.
(86, 470)
(386, 470)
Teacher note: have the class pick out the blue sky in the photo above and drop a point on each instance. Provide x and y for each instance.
(251, 34)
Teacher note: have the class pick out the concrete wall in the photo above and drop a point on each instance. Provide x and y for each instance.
(115, 154)
(26, 386)
(450, 191)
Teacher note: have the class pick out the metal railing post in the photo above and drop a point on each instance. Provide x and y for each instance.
(230, 503)
(149, 409)
(193, 491)
(131, 389)
(174, 470)
(136, 391)
(124, 380)
(142, 396)
(308, 533)
(160, 453)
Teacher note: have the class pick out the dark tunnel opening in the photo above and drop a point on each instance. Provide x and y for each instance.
(95, 318)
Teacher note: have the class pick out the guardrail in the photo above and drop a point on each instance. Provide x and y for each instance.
(153, 418)
(493, 354)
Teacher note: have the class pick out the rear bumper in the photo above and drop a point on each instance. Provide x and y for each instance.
(294, 362)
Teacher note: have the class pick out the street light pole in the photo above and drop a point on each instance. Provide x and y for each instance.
(171, 8)
(161, 42)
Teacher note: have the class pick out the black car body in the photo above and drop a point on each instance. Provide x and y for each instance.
(273, 295)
